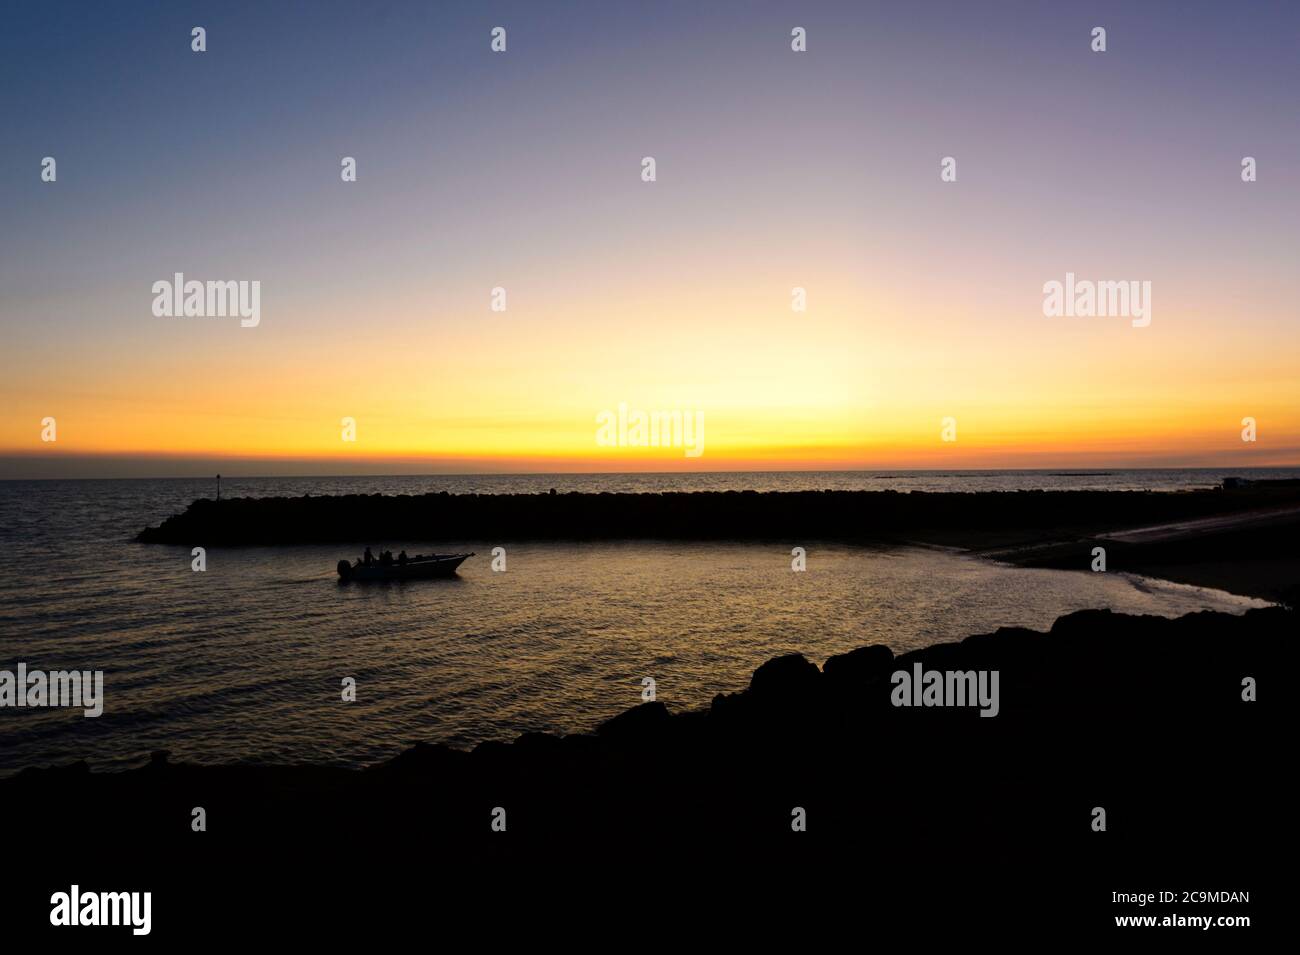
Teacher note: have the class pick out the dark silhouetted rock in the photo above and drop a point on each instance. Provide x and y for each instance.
(790, 675)
(1141, 715)
(860, 665)
(647, 721)
(994, 518)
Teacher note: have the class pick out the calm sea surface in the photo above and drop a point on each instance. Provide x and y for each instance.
(245, 661)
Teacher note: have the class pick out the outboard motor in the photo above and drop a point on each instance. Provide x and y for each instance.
(345, 569)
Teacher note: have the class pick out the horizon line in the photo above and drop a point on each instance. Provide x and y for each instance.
(1064, 471)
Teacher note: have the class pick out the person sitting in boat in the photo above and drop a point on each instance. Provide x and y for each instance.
(369, 557)
(401, 558)
(386, 558)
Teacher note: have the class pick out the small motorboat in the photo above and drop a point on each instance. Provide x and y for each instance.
(419, 567)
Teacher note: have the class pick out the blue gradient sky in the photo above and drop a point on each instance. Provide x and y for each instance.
(775, 170)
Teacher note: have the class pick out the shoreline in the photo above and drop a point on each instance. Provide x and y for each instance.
(1140, 717)
(1255, 555)
(1242, 540)
(799, 734)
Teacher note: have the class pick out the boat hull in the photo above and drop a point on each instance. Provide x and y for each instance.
(444, 565)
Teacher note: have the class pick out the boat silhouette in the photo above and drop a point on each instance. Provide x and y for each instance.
(420, 567)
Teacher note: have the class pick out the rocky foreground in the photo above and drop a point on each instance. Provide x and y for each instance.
(916, 819)
(1141, 716)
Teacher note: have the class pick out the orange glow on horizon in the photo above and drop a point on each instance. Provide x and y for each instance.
(838, 387)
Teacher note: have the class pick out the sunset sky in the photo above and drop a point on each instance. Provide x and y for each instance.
(775, 169)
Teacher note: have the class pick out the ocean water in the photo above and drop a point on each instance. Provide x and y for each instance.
(246, 660)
